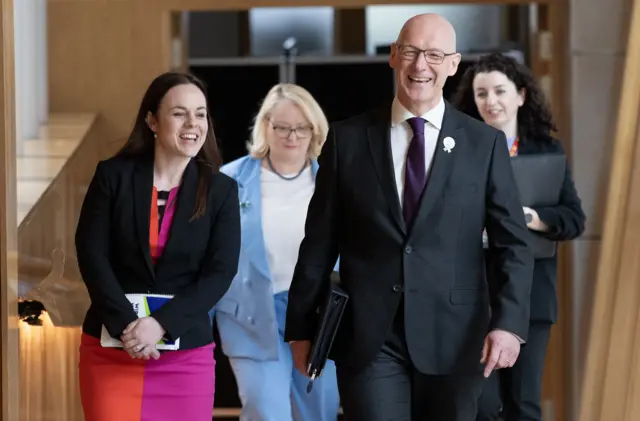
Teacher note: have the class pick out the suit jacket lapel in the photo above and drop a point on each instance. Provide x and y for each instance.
(441, 166)
(251, 216)
(380, 146)
(142, 189)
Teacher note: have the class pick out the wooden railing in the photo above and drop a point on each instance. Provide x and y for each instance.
(52, 171)
(40, 160)
(611, 386)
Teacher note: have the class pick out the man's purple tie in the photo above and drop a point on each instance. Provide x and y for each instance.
(415, 171)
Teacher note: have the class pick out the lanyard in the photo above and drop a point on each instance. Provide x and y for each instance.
(513, 151)
(158, 237)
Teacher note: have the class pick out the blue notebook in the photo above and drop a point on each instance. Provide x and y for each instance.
(143, 305)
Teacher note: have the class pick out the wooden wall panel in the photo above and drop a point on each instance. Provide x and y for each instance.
(549, 60)
(552, 73)
(49, 373)
(102, 56)
(8, 225)
(612, 372)
(349, 31)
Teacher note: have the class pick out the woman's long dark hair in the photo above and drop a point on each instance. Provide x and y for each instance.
(141, 142)
(534, 117)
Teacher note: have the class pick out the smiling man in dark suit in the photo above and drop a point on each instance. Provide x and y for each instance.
(402, 196)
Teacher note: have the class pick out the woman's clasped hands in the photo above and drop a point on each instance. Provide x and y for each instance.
(140, 338)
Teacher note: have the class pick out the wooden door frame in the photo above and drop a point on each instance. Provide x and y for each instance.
(8, 222)
(612, 370)
(550, 64)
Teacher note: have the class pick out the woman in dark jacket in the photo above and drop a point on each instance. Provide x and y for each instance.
(158, 244)
(502, 93)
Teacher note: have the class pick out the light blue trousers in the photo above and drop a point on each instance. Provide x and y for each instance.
(276, 391)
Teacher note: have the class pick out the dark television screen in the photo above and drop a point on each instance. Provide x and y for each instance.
(235, 94)
(344, 89)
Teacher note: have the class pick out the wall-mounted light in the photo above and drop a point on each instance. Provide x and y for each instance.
(30, 312)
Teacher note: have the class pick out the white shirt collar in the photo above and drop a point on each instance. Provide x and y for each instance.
(434, 116)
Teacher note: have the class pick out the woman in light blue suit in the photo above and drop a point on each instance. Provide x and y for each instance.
(276, 181)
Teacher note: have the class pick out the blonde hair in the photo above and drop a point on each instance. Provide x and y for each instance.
(258, 146)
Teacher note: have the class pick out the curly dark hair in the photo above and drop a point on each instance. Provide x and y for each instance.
(534, 117)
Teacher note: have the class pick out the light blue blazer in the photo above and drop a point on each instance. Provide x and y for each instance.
(246, 314)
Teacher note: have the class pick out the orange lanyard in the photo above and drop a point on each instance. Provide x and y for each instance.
(514, 148)
(154, 224)
(158, 232)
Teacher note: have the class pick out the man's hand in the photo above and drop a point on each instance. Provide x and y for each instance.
(300, 351)
(141, 336)
(501, 350)
(535, 223)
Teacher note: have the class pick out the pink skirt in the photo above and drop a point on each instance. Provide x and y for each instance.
(177, 386)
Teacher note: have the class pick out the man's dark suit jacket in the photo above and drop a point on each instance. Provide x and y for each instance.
(439, 265)
(566, 222)
(198, 264)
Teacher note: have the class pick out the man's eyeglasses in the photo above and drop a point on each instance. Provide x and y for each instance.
(410, 53)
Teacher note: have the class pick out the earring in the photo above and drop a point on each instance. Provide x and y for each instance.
(155, 135)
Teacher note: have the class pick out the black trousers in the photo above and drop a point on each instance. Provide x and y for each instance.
(515, 394)
(391, 389)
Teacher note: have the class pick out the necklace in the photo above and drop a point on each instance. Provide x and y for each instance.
(282, 176)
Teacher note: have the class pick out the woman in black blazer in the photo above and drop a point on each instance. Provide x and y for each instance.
(502, 93)
(158, 242)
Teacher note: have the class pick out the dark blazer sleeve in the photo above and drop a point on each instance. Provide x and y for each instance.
(318, 250)
(219, 266)
(92, 249)
(566, 220)
(507, 234)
